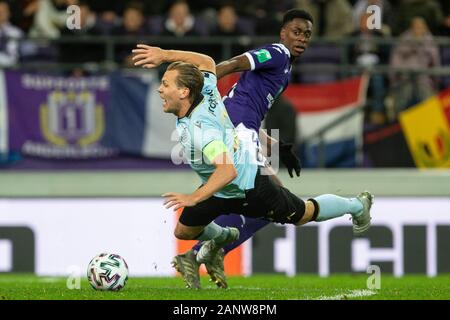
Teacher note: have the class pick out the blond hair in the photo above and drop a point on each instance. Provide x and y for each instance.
(189, 76)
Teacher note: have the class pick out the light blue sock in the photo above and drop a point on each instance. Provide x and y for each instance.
(332, 206)
(213, 231)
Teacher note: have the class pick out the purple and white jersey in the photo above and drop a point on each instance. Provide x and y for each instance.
(251, 97)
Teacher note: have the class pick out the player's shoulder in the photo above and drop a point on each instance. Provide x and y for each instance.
(209, 112)
(202, 120)
(280, 48)
(208, 74)
(269, 52)
(209, 77)
(209, 83)
(201, 112)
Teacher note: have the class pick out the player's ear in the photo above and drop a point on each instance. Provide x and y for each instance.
(184, 93)
(283, 33)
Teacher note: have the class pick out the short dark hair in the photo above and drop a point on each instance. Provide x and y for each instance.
(189, 76)
(6, 2)
(84, 3)
(134, 5)
(296, 14)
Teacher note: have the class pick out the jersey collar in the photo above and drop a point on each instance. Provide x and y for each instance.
(194, 104)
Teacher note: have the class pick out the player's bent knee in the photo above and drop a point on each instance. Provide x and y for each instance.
(310, 209)
(289, 208)
(184, 233)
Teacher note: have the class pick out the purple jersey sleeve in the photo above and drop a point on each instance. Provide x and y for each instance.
(250, 98)
(267, 57)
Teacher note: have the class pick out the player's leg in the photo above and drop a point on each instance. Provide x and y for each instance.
(330, 206)
(271, 172)
(196, 223)
(247, 226)
(215, 264)
(284, 207)
(258, 202)
(212, 246)
(308, 216)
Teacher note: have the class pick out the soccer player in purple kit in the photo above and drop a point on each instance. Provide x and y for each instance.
(266, 73)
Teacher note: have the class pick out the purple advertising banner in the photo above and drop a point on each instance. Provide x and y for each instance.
(57, 117)
(61, 123)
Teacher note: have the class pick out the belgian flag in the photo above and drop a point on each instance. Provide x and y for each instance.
(426, 127)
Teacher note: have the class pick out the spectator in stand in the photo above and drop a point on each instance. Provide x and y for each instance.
(228, 26)
(91, 52)
(444, 28)
(133, 25)
(366, 53)
(9, 37)
(429, 10)
(227, 22)
(154, 7)
(22, 13)
(332, 18)
(409, 55)
(180, 22)
(268, 14)
(108, 12)
(198, 6)
(387, 18)
(50, 18)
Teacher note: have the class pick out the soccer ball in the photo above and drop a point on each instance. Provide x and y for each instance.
(107, 272)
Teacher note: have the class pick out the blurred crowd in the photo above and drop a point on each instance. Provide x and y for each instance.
(419, 20)
(334, 18)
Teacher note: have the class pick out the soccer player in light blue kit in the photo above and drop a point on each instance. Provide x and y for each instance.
(225, 160)
(266, 74)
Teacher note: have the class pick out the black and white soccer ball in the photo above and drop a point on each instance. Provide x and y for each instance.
(107, 272)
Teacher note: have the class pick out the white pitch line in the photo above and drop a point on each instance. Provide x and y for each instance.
(31, 280)
(351, 294)
(50, 280)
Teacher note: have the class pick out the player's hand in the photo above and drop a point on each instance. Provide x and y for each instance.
(147, 56)
(289, 159)
(178, 200)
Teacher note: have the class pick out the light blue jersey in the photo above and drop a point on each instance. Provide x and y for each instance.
(207, 122)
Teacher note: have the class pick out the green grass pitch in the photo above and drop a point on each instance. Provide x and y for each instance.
(261, 287)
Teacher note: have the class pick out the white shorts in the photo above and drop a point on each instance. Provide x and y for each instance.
(251, 138)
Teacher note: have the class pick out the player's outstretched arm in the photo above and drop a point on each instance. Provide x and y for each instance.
(151, 57)
(224, 173)
(235, 64)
